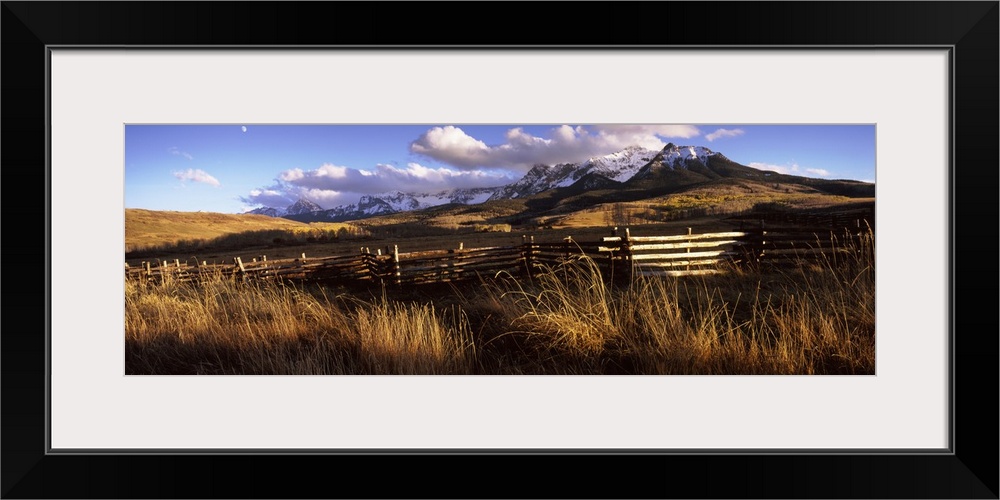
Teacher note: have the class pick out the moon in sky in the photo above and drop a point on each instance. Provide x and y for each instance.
(244, 128)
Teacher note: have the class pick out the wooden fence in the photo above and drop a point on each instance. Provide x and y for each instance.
(618, 257)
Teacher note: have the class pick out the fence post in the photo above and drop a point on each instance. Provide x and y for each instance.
(627, 254)
(524, 255)
(366, 261)
(763, 233)
(454, 259)
(568, 241)
(243, 271)
(531, 254)
(688, 268)
(857, 236)
(395, 263)
(530, 257)
(611, 258)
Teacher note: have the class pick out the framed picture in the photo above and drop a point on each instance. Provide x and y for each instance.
(927, 88)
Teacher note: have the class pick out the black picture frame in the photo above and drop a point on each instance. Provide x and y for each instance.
(969, 470)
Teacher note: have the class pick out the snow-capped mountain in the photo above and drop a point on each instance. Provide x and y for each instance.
(268, 211)
(367, 206)
(632, 163)
(679, 156)
(597, 171)
(696, 162)
(538, 179)
(620, 166)
(470, 196)
(379, 204)
(617, 167)
(398, 201)
(302, 206)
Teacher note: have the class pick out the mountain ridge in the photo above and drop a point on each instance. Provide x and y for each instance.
(634, 168)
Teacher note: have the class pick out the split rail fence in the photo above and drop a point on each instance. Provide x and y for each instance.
(617, 257)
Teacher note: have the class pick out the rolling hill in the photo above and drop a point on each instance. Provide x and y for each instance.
(150, 228)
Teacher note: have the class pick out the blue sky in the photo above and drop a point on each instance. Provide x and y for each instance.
(237, 167)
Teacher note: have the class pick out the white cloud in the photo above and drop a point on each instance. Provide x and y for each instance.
(269, 197)
(331, 185)
(326, 198)
(292, 175)
(724, 133)
(792, 169)
(281, 196)
(331, 171)
(197, 175)
(521, 149)
(669, 131)
(177, 152)
(614, 138)
(818, 171)
(386, 177)
(417, 175)
(452, 145)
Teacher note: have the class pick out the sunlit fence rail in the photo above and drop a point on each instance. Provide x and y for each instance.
(620, 256)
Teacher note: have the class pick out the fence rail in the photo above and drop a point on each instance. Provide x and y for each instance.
(618, 257)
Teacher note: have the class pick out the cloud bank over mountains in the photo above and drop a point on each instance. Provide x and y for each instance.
(521, 150)
(331, 185)
(464, 161)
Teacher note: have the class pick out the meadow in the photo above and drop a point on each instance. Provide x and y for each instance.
(815, 318)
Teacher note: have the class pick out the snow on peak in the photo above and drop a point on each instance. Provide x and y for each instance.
(674, 155)
(302, 206)
(620, 166)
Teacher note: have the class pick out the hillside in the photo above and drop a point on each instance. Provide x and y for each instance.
(615, 205)
(149, 228)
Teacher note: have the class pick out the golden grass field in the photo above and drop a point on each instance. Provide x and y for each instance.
(817, 319)
(145, 229)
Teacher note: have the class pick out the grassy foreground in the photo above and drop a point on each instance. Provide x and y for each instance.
(815, 319)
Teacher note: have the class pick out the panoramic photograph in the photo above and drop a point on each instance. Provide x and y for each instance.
(499, 249)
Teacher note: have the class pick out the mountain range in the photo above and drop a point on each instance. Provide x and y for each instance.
(633, 172)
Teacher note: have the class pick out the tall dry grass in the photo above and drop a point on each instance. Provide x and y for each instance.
(815, 318)
(223, 326)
